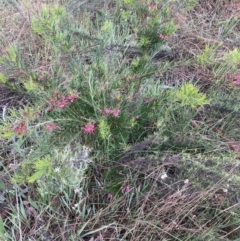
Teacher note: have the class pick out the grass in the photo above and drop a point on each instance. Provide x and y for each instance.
(120, 120)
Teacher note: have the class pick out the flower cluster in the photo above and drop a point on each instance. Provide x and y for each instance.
(51, 127)
(89, 128)
(235, 78)
(163, 36)
(110, 196)
(114, 112)
(40, 77)
(61, 101)
(21, 129)
(152, 6)
(126, 189)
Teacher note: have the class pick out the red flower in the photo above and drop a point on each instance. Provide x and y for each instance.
(21, 129)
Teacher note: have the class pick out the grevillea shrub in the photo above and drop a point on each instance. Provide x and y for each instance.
(92, 90)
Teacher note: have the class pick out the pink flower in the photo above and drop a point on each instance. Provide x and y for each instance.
(126, 189)
(89, 128)
(64, 102)
(236, 82)
(107, 111)
(163, 36)
(234, 78)
(51, 127)
(59, 101)
(40, 77)
(152, 6)
(116, 112)
(73, 97)
(21, 129)
(110, 196)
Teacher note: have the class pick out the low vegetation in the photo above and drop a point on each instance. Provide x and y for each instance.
(120, 120)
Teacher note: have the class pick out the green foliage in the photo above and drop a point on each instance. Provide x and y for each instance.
(189, 95)
(206, 56)
(97, 95)
(129, 1)
(125, 15)
(54, 174)
(114, 181)
(169, 28)
(31, 85)
(104, 129)
(6, 132)
(42, 167)
(49, 19)
(3, 78)
(107, 26)
(2, 229)
(48, 25)
(232, 57)
(11, 54)
(139, 63)
(144, 41)
(11, 57)
(191, 4)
